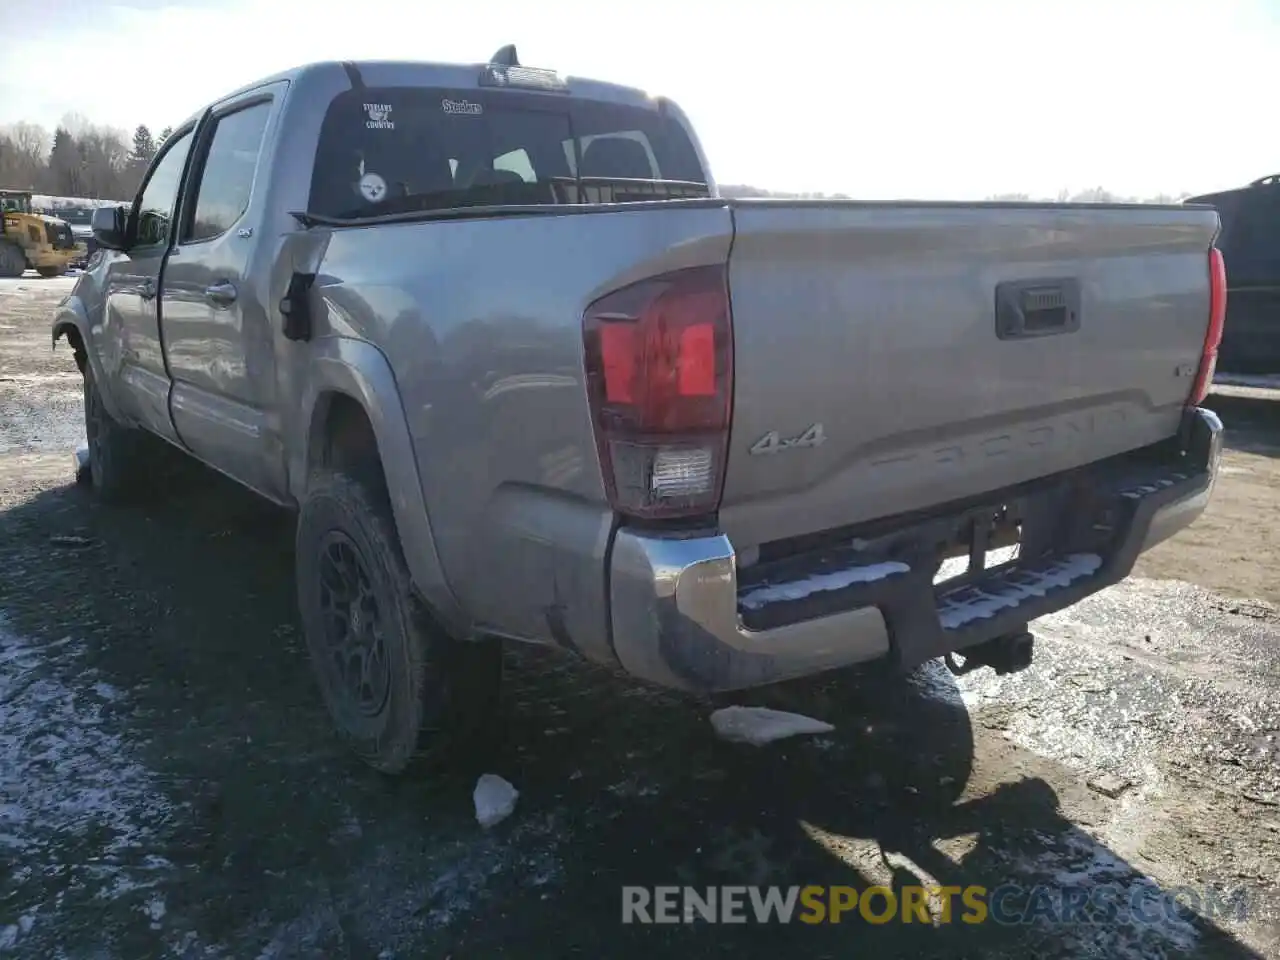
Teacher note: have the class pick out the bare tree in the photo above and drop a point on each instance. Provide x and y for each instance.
(1096, 195)
(104, 157)
(76, 123)
(26, 147)
(10, 162)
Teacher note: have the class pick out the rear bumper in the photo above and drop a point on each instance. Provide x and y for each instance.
(681, 617)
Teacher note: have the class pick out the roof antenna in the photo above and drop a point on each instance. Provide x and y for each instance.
(506, 56)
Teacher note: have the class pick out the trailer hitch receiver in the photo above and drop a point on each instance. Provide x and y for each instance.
(1007, 653)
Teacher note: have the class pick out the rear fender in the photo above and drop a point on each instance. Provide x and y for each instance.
(360, 371)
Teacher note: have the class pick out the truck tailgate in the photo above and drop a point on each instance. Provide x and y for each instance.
(875, 375)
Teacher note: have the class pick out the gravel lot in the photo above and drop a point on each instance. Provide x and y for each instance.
(169, 785)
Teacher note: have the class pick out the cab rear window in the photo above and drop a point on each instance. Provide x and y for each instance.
(387, 150)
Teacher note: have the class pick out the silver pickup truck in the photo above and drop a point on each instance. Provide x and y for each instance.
(524, 375)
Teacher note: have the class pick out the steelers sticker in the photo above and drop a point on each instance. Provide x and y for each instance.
(373, 188)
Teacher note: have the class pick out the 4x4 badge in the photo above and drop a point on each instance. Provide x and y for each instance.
(772, 443)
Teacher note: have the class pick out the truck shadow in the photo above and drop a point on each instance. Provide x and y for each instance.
(282, 846)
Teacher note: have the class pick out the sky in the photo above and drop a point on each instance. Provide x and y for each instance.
(880, 100)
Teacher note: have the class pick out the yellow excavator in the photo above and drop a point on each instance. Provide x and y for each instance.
(34, 241)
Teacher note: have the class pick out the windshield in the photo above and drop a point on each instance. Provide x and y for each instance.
(15, 204)
(388, 150)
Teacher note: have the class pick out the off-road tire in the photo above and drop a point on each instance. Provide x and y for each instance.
(13, 263)
(121, 459)
(441, 694)
(50, 272)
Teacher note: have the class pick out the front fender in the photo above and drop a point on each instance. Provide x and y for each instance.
(71, 319)
(361, 371)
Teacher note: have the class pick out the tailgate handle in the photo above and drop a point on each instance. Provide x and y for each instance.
(1037, 308)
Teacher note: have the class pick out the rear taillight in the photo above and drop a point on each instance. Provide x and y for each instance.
(659, 359)
(1213, 336)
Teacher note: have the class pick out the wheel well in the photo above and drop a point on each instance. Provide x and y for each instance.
(74, 337)
(342, 438)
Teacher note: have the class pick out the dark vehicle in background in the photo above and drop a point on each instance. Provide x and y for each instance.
(1250, 245)
(80, 219)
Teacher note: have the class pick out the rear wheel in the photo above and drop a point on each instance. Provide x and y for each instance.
(395, 683)
(48, 272)
(12, 261)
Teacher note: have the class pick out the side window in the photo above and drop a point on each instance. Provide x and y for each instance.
(155, 208)
(517, 162)
(222, 196)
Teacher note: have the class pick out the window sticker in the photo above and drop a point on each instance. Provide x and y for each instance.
(379, 116)
(373, 188)
(464, 107)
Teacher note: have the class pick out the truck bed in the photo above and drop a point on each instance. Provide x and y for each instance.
(875, 322)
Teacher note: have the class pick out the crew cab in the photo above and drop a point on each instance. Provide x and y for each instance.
(524, 375)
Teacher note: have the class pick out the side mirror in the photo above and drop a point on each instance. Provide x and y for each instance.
(110, 227)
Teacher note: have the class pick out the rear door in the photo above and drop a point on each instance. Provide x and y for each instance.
(217, 335)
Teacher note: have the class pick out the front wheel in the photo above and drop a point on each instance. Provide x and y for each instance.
(395, 684)
(50, 272)
(119, 466)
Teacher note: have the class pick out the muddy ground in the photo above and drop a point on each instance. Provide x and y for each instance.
(169, 785)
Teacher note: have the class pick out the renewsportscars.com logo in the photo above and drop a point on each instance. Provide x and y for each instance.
(1007, 904)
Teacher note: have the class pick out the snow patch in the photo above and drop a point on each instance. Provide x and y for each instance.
(819, 583)
(973, 603)
(32, 287)
(1075, 860)
(155, 910)
(402, 884)
(75, 803)
(761, 725)
(936, 682)
(495, 799)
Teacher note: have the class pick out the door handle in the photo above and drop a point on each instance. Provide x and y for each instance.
(147, 289)
(221, 294)
(1037, 308)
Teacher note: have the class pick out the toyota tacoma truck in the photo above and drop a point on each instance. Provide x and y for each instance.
(524, 375)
